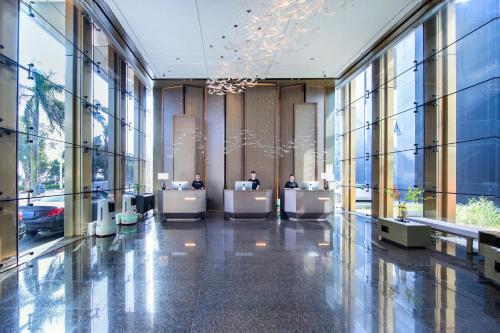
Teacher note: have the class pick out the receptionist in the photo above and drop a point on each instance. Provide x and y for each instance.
(197, 183)
(255, 181)
(291, 183)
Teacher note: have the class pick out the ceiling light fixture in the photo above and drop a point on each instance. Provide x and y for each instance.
(231, 85)
(263, 38)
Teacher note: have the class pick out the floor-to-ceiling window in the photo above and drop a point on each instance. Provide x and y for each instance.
(41, 143)
(436, 103)
(64, 117)
(131, 173)
(407, 124)
(102, 116)
(148, 137)
(467, 90)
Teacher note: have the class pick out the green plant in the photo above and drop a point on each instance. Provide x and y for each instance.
(480, 212)
(42, 95)
(414, 194)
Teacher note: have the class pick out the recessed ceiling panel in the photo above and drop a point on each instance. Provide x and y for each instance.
(264, 39)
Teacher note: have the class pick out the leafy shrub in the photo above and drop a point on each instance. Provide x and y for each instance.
(480, 212)
(414, 194)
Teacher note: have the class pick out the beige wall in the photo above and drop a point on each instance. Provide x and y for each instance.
(184, 150)
(215, 131)
(289, 96)
(260, 134)
(305, 142)
(172, 104)
(194, 105)
(315, 94)
(235, 124)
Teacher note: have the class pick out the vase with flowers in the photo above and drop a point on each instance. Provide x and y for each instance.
(402, 208)
(414, 194)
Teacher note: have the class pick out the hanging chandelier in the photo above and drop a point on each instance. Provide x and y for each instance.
(231, 85)
(271, 28)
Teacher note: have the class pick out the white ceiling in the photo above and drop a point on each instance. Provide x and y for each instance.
(308, 39)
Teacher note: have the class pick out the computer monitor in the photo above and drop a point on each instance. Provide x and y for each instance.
(242, 186)
(310, 185)
(180, 185)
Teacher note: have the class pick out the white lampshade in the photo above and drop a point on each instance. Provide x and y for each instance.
(162, 176)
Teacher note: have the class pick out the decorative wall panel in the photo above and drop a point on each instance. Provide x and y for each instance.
(317, 95)
(289, 96)
(260, 142)
(215, 131)
(194, 106)
(305, 142)
(184, 151)
(173, 104)
(235, 123)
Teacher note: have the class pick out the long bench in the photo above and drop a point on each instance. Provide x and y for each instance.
(469, 233)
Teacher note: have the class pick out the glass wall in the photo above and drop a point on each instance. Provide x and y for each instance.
(474, 64)
(103, 114)
(407, 123)
(63, 116)
(41, 123)
(435, 108)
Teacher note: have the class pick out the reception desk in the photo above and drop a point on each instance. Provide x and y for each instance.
(308, 204)
(248, 204)
(189, 204)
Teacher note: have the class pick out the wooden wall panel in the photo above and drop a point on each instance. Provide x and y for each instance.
(260, 113)
(184, 150)
(215, 130)
(173, 104)
(194, 105)
(289, 96)
(235, 124)
(317, 95)
(305, 142)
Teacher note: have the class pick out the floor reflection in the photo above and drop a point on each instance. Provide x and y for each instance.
(247, 276)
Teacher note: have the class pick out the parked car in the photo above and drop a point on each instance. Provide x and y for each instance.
(46, 214)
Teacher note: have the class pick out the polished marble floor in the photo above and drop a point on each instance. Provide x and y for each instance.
(248, 276)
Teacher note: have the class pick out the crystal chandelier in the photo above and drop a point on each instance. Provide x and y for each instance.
(272, 27)
(231, 85)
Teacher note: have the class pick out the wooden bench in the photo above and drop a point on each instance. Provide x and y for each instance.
(469, 233)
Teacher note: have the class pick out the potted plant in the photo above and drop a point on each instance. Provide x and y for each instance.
(402, 209)
(414, 194)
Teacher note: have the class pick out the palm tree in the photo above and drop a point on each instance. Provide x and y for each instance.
(42, 95)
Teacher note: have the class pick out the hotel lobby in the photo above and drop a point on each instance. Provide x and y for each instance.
(249, 166)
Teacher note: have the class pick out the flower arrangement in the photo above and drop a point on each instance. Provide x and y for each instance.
(414, 194)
